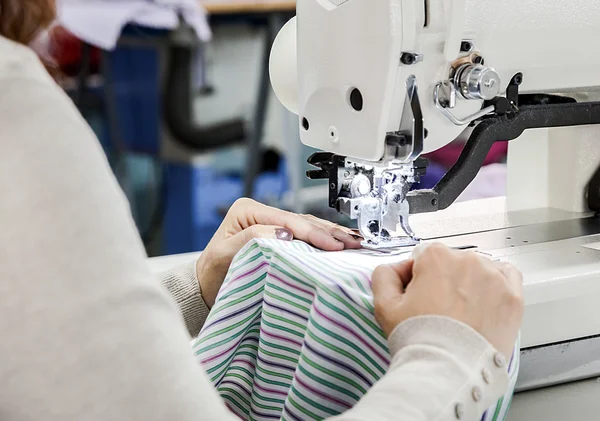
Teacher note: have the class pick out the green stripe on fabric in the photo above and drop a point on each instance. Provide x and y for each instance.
(225, 364)
(235, 403)
(223, 341)
(343, 270)
(291, 294)
(231, 327)
(242, 369)
(238, 376)
(243, 256)
(333, 374)
(312, 403)
(352, 345)
(279, 402)
(264, 380)
(325, 288)
(498, 407)
(340, 351)
(245, 286)
(507, 411)
(303, 410)
(235, 302)
(236, 393)
(286, 301)
(282, 319)
(279, 347)
(287, 377)
(278, 356)
(291, 276)
(376, 339)
(242, 345)
(330, 385)
(264, 406)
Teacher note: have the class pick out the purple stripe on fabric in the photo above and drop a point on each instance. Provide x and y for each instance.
(484, 416)
(231, 382)
(248, 273)
(338, 363)
(230, 316)
(281, 338)
(343, 291)
(239, 360)
(291, 414)
(233, 410)
(272, 364)
(235, 345)
(324, 396)
(512, 358)
(220, 354)
(262, 415)
(304, 291)
(285, 310)
(264, 389)
(351, 332)
(331, 280)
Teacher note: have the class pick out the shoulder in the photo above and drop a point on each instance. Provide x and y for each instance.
(20, 61)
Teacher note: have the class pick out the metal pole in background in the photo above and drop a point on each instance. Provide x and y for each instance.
(254, 154)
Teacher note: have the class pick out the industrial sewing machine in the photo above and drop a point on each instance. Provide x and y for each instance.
(378, 83)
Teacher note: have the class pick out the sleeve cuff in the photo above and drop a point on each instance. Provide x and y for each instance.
(182, 284)
(485, 368)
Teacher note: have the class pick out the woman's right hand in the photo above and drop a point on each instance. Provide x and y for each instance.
(486, 295)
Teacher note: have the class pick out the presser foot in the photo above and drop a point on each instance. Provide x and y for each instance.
(390, 243)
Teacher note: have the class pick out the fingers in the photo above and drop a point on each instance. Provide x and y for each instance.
(404, 270)
(345, 235)
(323, 235)
(388, 281)
(514, 278)
(238, 241)
(388, 293)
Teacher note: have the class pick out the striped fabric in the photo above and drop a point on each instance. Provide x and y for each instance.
(292, 335)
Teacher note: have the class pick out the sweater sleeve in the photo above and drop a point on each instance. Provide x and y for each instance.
(87, 333)
(182, 284)
(441, 370)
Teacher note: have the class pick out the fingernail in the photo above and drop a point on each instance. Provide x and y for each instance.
(339, 234)
(284, 234)
(356, 237)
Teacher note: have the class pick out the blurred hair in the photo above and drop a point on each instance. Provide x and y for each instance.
(25, 21)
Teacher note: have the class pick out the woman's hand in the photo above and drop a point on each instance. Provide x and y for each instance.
(247, 220)
(486, 295)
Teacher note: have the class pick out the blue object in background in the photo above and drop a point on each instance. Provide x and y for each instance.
(197, 197)
(434, 174)
(133, 93)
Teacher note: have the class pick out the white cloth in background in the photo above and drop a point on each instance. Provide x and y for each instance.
(100, 22)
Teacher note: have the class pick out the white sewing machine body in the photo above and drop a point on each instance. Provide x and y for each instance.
(376, 84)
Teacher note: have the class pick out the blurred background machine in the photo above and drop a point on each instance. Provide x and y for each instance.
(189, 122)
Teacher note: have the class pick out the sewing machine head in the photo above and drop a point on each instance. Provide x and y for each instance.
(377, 84)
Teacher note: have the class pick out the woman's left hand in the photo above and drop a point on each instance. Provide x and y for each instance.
(247, 220)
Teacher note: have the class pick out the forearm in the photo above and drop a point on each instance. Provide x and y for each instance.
(441, 370)
(182, 284)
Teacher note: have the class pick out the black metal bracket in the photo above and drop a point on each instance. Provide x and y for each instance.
(543, 112)
(328, 164)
